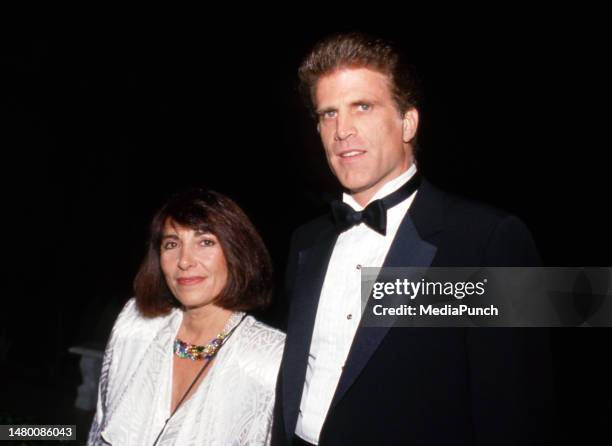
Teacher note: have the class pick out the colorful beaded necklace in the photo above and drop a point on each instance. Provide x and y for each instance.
(198, 352)
(185, 350)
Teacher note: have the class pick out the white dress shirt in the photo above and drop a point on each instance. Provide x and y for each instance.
(339, 310)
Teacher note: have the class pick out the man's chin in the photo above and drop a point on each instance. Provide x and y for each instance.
(353, 185)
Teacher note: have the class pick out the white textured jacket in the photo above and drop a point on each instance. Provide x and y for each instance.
(232, 405)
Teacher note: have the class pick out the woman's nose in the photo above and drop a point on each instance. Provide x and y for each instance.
(186, 259)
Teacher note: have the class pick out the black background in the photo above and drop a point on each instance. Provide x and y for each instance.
(101, 124)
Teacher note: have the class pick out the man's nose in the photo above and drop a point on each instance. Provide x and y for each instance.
(344, 127)
(186, 259)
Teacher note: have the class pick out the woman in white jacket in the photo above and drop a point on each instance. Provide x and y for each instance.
(185, 364)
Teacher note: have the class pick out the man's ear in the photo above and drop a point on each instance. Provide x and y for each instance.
(318, 127)
(410, 123)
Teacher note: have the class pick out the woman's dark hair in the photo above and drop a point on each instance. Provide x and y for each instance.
(249, 282)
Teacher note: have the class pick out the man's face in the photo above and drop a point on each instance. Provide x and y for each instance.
(366, 139)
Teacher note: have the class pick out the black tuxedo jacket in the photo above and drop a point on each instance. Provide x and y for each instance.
(423, 386)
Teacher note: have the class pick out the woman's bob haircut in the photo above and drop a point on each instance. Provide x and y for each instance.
(249, 283)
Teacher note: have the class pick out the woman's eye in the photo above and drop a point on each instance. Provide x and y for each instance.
(207, 242)
(169, 245)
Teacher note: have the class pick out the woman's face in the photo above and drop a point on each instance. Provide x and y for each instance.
(193, 264)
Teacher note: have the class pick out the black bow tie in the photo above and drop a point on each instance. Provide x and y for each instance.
(375, 213)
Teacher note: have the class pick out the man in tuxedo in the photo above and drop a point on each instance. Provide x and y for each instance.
(344, 383)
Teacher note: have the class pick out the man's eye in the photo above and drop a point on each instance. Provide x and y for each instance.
(328, 114)
(364, 107)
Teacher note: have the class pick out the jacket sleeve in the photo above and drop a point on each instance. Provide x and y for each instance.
(96, 426)
(290, 274)
(511, 368)
(98, 423)
(511, 244)
(511, 385)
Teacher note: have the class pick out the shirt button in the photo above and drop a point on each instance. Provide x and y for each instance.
(358, 266)
(349, 316)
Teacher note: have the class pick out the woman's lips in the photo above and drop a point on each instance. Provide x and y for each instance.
(189, 280)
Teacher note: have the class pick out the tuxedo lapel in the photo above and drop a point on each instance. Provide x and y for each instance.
(312, 266)
(408, 249)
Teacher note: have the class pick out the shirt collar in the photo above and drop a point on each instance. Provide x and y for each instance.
(388, 188)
